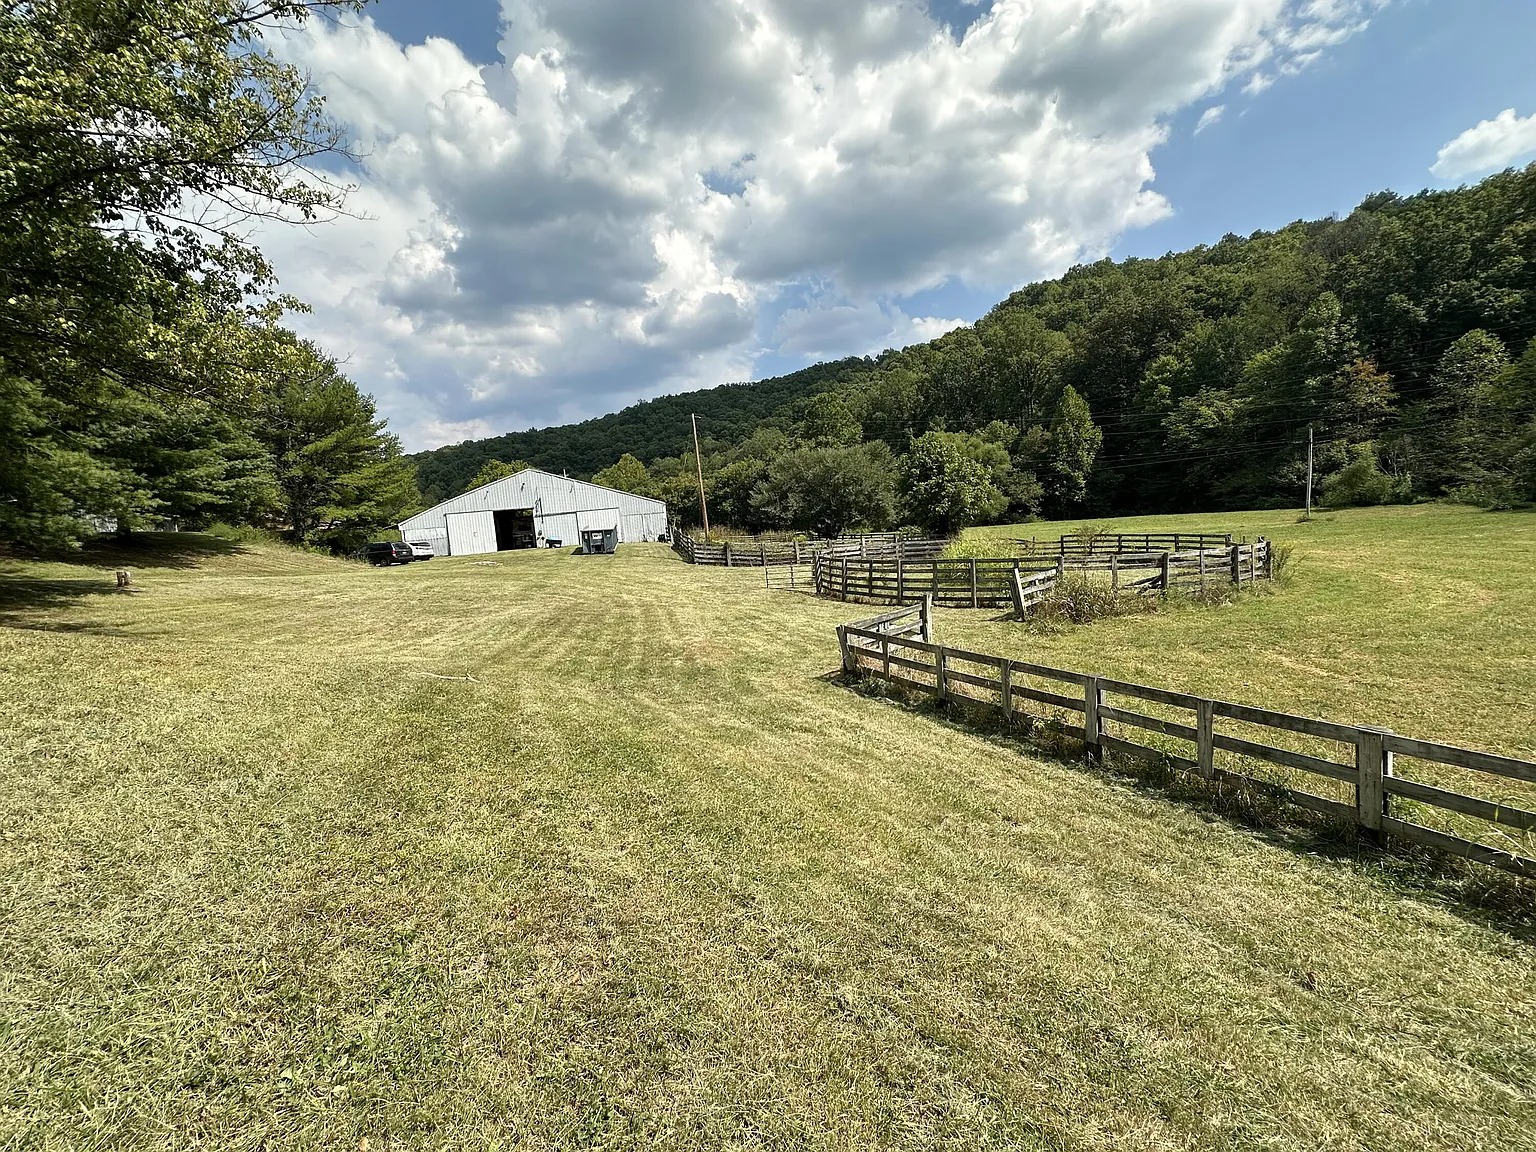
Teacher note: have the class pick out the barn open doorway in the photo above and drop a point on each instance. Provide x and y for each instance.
(514, 529)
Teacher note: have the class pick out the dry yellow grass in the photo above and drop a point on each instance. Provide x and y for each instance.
(637, 874)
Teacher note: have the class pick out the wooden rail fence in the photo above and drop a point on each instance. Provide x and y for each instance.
(752, 552)
(1021, 583)
(898, 647)
(1101, 543)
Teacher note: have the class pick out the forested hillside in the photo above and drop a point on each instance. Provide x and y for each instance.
(650, 430)
(1401, 335)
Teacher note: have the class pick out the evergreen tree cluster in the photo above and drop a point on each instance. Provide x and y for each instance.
(144, 374)
(1400, 335)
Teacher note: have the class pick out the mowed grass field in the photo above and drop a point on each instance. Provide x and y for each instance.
(1421, 619)
(562, 852)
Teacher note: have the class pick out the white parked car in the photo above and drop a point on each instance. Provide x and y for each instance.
(421, 550)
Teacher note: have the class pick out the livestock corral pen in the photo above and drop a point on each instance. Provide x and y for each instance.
(530, 851)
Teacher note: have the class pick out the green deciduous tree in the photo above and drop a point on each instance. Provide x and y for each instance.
(1072, 445)
(730, 496)
(829, 490)
(1362, 482)
(944, 488)
(1023, 365)
(626, 474)
(828, 420)
(1455, 431)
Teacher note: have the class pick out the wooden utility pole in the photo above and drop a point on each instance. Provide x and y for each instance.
(698, 462)
(1309, 471)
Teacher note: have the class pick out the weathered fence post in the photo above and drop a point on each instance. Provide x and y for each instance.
(1061, 567)
(1093, 696)
(1202, 568)
(926, 617)
(885, 657)
(845, 578)
(797, 551)
(1007, 679)
(1237, 573)
(941, 674)
(1166, 584)
(1205, 738)
(762, 553)
(1373, 764)
(727, 553)
(901, 577)
(842, 642)
(1018, 591)
(975, 593)
(1114, 572)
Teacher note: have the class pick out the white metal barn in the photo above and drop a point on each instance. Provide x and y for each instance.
(530, 508)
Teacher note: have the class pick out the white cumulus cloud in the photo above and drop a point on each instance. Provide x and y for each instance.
(639, 197)
(1487, 147)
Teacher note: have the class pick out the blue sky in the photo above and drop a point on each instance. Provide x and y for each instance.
(1370, 115)
(541, 238)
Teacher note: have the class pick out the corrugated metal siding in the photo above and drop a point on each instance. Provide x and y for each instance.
(561, 526)
(606, 519)
(555, 500)
(646, 526)
(471, 533)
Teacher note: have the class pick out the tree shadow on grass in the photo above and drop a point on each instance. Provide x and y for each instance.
(146, 551)
(1478, 894)
(178, 551)
(24, 604)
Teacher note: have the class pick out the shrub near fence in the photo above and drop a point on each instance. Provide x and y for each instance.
(897, 647)
(1020, 583)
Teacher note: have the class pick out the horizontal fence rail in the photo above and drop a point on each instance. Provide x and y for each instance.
(1100, 543)
(751, 552)
(1365, 763)
(1021, 583)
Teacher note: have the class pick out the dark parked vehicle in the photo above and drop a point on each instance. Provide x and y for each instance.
(391, 552)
